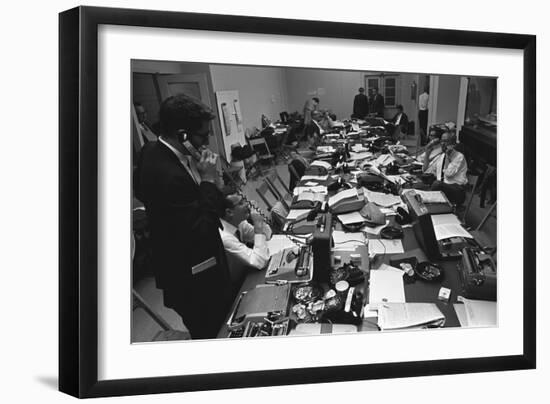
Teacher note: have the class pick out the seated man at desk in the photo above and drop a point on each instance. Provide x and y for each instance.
(434, 138)
(399, 124)
(449, 168)
(245, 244)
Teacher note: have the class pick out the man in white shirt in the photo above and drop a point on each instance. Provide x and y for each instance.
(449, 168)
(237, 232)
(423, 114)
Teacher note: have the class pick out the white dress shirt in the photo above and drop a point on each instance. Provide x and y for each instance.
(454, 171)
(257, 257)
(187, 161)
(423, 101)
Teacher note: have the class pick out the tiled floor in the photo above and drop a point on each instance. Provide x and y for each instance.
(144, 328)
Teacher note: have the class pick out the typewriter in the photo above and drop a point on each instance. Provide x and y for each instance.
(259, 312)
(291, 265)
(478, 276)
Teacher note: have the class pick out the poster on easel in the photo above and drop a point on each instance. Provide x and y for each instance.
(229, 112)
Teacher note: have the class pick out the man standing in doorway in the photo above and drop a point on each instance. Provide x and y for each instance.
(377, 103)
(360, 105)
(423, 115)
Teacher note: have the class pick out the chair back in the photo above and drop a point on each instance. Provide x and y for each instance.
(282, 195)
(262, 191)
(259, 145)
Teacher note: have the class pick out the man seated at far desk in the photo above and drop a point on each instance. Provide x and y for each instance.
(245, 244)
(449, 169)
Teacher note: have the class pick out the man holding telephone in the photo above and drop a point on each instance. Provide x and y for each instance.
(449, 168)
(176, 180)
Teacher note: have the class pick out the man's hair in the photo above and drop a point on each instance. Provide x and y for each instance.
(183, 112)
(361, 90)
(400, 107)
(451, 135)
(227, 202)
(316, 99)
(138, 104)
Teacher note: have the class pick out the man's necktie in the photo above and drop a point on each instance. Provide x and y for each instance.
(443, 167)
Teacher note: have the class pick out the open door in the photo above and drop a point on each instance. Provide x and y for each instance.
(194, 85)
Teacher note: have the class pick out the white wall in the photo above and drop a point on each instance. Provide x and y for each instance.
(334, 88)
(261, 90)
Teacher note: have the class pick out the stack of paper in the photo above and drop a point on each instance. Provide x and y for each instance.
(447, 226)
(349, 239)
(386, 286)
(478, 313)
(393, 316)
(321, 189)
(320, 163)
(278, 242)
(340, 196)
(359, 155)
(314, 177)
(297, 214)
(351, 218)
(431, 196)
(310, 196)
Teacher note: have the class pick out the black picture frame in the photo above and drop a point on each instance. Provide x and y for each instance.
(78, 196)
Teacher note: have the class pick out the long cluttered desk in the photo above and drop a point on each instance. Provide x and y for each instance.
(366, 247)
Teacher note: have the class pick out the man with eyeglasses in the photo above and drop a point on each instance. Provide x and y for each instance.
(449, 168)
(176, 180)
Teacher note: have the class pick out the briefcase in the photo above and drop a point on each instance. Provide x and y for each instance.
(478, 276)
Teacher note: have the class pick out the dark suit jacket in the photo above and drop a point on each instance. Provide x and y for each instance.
(184, 223)
(360, 106)
(403, 123)
(378, 105)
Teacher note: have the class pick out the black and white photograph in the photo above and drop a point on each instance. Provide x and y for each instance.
(277, 201)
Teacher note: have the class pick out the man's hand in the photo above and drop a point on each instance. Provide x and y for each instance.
(258, 222)
(432, 144)
(207, 166)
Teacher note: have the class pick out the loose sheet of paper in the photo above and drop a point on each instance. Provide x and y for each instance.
(386, 286)
(379, 246)
(351, 218)
(348, 239)
(278, 242)
(407, 315)
(444, 231)
(321, 163)
(446, 218)
(431, 196)
(480, 313)
(314, 177)
(297, 214)
(381, 198)
(320, 189)
(348, 193)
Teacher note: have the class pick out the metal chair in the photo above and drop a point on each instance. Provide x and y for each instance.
(283, 196)
(259, 145)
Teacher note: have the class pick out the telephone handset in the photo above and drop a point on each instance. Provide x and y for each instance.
(182, 137)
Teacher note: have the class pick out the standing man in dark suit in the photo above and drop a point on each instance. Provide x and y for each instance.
(360, 105)
(377, 103)
(176, 180)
